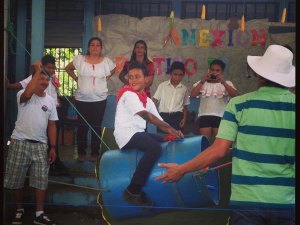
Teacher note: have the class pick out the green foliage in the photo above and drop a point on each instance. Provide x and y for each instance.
(63, 57)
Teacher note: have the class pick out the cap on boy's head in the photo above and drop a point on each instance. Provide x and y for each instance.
(275, 65)
(139, 65)
(218, 62)
(177, 66)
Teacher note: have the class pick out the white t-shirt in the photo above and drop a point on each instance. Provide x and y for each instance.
(171, 99)
(214, 99)
(127, 121)
(51, 89)
(33, 116)
(92, 85)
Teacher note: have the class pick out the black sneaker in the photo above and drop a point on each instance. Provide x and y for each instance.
(18, 218)
(43, 219)
(138, 200)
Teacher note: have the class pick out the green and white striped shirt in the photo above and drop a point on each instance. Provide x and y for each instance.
(262, 126)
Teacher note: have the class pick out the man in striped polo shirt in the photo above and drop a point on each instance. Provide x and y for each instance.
(260, 128)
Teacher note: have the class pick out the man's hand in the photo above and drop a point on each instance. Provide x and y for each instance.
(172, 174)
(52, 155)
(37, 66)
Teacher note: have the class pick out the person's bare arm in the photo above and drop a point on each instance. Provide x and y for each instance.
(160, 124)
(155, 101)
(29, 90)
(70, 71)
(212, 154)
(52, 140)
(183, 120)
(196, 90)
(122, 75)
(231, 91)
(111, 73)
(16, 85)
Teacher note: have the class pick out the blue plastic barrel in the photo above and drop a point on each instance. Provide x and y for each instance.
(117, 167)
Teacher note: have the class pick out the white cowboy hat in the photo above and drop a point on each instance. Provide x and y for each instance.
(275, 65)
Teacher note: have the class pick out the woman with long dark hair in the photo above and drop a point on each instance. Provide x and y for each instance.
(139, 53)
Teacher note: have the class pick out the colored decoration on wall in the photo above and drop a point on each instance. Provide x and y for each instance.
(243, 41)
(168, 65)
(203, 12)
(283, 17)
(172, 35)
(218, 34)
(203, 37)
(185, 36)
(175, 37)
(158, 61)
(209, 60)
(242, 27)
(171, 24)
(230, 38)
(189, 71)
(261, 39)
(99, 25)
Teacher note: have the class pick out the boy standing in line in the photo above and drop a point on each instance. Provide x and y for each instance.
(173, 98)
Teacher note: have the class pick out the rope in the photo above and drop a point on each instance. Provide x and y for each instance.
(10, 30)
(99, 202)
(208, 170)
(99, 199)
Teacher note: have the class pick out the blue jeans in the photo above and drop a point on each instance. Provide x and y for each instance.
(261, 216)
(148, 143)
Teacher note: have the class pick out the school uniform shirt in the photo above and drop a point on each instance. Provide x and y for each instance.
(92, 85)
(127, 121)
(171, 99)
(33, 116)
(51, 89)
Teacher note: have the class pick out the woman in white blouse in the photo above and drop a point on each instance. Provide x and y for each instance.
(93, 70)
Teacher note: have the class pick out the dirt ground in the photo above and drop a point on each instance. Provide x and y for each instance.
(68, 215)
(63, 215)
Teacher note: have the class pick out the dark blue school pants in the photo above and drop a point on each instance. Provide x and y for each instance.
(150, 144)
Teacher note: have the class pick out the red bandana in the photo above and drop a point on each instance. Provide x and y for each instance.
(142, 96)
(55, 81)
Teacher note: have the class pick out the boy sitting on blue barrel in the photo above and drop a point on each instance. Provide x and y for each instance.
(134, 109)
